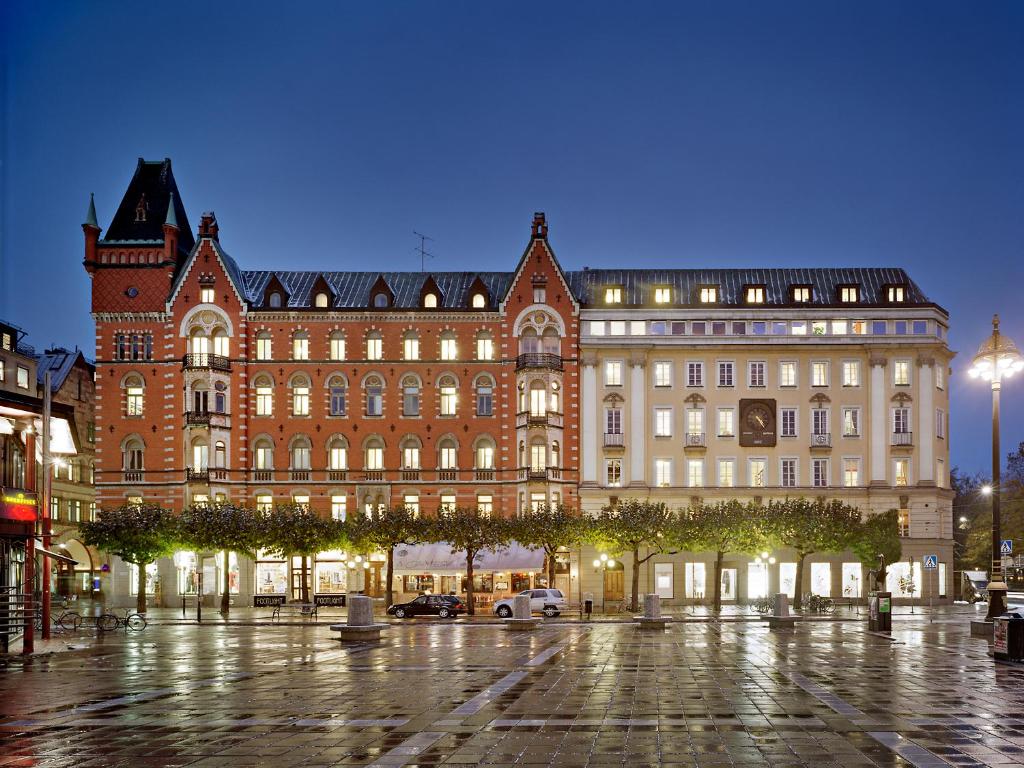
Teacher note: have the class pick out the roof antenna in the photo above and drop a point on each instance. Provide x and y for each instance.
(422, 250)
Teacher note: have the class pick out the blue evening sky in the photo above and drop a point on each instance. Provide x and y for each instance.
(668, 135)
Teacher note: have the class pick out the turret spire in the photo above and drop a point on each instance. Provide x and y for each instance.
(172, 218)
(90, 217)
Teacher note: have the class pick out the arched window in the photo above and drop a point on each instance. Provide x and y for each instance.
(449, 395)
(555, 401)
(555, 454)
(484, 454)
(220, 455)
(300, 395)
(220, 397)
(380, 300)
(199, 344)
(522, 453)
(484, 346)
(374, 346)
(373, 461)
(264, 387)
(134, 394)
(337, 454)
(337, 345)
(374, 396)
(300, 346)
(538, 399)
(133, 455)
(411, 346)
(550, 342)
(339, 394)
(322, 300)
(263, 454)
(522, 398)
(275, 300)
(479, 301)
(410, 396)
(449, 349)
(300, 453)
(200, 397)
(528, 342)
(263, 346)
(410, 453)
(448, 454)
(484, 396)
(221, 345)
(538, 456)
(430, 301)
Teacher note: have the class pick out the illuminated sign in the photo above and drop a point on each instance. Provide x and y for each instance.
(19, 505)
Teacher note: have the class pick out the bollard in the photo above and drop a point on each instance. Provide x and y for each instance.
(652, 618)
(522, 617)
(359, 626)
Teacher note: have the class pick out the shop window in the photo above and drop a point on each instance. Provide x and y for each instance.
(663, 581)
(757, 580)
(787, 579)
(695, 577)
(821, 579)
(852, 580)
(271, 574)
(330, 573)
(729, 584)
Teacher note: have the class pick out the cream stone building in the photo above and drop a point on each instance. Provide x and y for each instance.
(706, 385)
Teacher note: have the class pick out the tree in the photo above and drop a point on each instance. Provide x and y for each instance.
(878, 535)
(137, 533)
(294, 529)
(465, 529)
(384, 531)
(630, 526)
(551, 529)
(227, 527)
(810, 526)
(729, 526)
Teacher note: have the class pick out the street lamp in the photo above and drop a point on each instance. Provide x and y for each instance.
(997, 358)
(602, 564)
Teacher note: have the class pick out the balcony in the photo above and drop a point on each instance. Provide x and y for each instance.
(205, 361)
(263, 475)
(822, 440)
(614, 440)
(133, 475)
(483, 475)
(539, 360)
(299, 475)
(337, 475)
(534, 475)
(447, 475)
(410, 475)
(197, 418)
(219, 474)
(197, 475)
(696, 440)
(373, 476)
(528, 419)
(902, 439)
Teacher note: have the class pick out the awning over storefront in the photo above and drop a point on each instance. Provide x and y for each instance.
(438, 558)
(61, 439)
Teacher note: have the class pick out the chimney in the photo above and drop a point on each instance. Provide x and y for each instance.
(208, 226)
(540, 225)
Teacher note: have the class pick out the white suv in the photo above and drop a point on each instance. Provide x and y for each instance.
(550, 602)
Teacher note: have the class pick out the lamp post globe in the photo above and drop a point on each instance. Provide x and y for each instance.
(998, 358)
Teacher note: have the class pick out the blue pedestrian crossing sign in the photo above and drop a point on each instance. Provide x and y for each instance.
(931, 562)
(1006, 548)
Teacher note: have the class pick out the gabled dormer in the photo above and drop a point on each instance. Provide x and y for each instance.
(381, 295)
(275, 295)
(479, 297)
(431, 296)
(321, 296)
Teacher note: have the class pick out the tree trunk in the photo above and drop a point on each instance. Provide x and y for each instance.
(140, 600)
(798, 589)
(551, 569)
(225, 598)
(636, 578)
(389, 593)
(304, 589)
(717, 602)
(470, 608)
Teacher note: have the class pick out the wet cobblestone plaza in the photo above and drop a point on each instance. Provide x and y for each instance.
(700, 693)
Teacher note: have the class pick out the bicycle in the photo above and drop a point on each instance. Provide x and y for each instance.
(763, 605)
(819, 604)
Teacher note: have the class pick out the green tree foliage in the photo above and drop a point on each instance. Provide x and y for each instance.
(729, 526)
(137, 533)
(971, 503)
(294, 529)
(631, 526)
(550, 528)
(810, 526)
(384, 531)
(465, 529)
(878, 535)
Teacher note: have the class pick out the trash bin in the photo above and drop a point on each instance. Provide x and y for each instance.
(880, 612)
(588, 605)
(1008, 637)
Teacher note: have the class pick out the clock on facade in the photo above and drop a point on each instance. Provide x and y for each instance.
(757, 423)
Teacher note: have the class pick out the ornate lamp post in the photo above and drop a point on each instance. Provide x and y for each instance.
(997, 359)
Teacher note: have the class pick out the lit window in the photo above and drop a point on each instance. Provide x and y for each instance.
(411, 457)
(430, 301)
(447, 503)
(449, 455)
(663, 472)
(448, 347)
(695, 422)
(322, 300)
(787, 374)
(411, 348)
(896, 294)
(264, 455)
(374, 347)
(839, 328)
(663, 374)
(339, 507)
(484, 348)
(613, 373)
(851, 373)
(801, 295)
(612, 295)
(755, 295)
(613, 473)
(819, 373)
(337, 346)
(851, 422)
(263, 346)
(663, 422)
(708, 295)
(300, 347)
(23, 383)
(662, 295)
(695, 473)
(449, 397)
(903, 522)
(726, 473)
(901, 373)
(848, 294)
(485, 456)
(374, 458)
(851, 473)
(479, 301)
(337, 457)
(300, 400)
(901, 472)
(134, 393)
(206, 296)
(485, 504)
(758, 473)
(264, 503)
(300, 457)
(264, 399)
(726, 422)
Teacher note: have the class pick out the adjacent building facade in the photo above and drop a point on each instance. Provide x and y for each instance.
(503, 390)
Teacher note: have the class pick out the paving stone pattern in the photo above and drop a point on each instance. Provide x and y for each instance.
(698, 694)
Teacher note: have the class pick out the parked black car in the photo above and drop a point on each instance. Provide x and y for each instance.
(442, 606)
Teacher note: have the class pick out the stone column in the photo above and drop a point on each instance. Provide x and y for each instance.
(879, 421)
(925, 443)
(637, 442)
(589, 411)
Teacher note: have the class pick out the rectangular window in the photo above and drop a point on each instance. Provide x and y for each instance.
(901, 420)
(940, 376)
(725, 373)
(540, 295)
(663, 422)
(755, 294)
(264, 401)
(787, 374)
(848, 295)
(819, 421)
(23, 379)
(374, 458)
(851, 373)
(613, 473)
(708, 295)
(300, 401)
(300, 348)
(411, 457)
(663, 472)
(726, 422)
(839, 328)
(942, 579)
(726, 473)
(940, 424)
(788, 422)
(449, 399)
(133, 398)
(485, 348)
(901, 472)
(484, 400)
(896, 294)
(755, 373)
(663, 581)
(819, 373)
(695, 473)
(449, 350)
(695, 580)
(613, 421)
(263, 348)
(819, 473)
(852, 579)
(264, 503)
(374, 401)
(940, 473)
(663, 374)
(787, 473)
(901, 373)
(337, 458)
(695, 374)
(374, 348)
(485, 504)
(851, 473)
(448, 503)
(801, 295)
(613, 295)
(411, 501)
(851, 422)
(617, 327)
(821, 579)
(662, 295)
(411, 348)
(758, 473)
(613, 373)
(903, 522)
(339, 507)
(695, 421)
(337, 401)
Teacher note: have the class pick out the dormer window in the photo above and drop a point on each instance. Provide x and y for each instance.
(755, 294)
(897, 294)
(708, 294)
(613, 294)
(322, 300)
(663, 295)
(430, 301)
(801, 294)
(380, 300)
(479, 301)
(274, 300)
(140, 209)
(849, 294)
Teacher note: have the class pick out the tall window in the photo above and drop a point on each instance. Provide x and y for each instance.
(726, 473)
(484, 347)
(485, 455)
(321, 301)
(787, 470)
(613, 473)
(613, 373)
(300, 454)
(410, 456)
(337, 455)
(695, 374)
(851, 473)
(695, 473)
(373, 461)
(663, 422)
(339, 507)
(300, 397)
(449, 396)
(726, 422)
(851, 422)
(901, 373)
(756, 373)
(896, 294)
(901, 472)
(374, 397)
(133, 455)
(220, 455)
(901, 420)
(613, 421)
(787, 374)
(758, 473)
(484, 397)
(411, 347)
(410, 396)
(221, 343)
(819, 373)
(300, 346)
(663, 374)
(337, 346)
(263, 346)
(374, 346)
(787, 422)
(694, 421)
(448, 346)
(134, 394)
(663, 472)
(338, 390)
(264, 454)
(819, 421)
(725, 373)
(819, 473)
(448, 454)
(851, 373)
